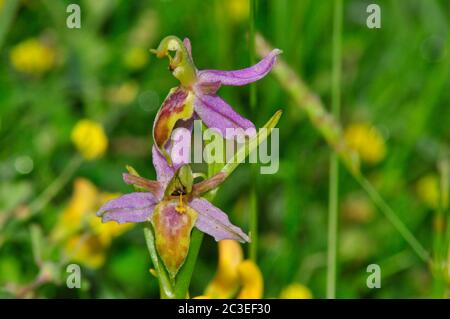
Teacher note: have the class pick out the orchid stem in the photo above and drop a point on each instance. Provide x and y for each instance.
(334, 160)
(184, 277)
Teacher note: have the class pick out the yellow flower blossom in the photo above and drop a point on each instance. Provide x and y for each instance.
(238, 10)
(33, 57)
(234, 276)
(123, 94)
(84, 237)
(1, 4)
(87, 250)
(136, 58)
(296, 291)
(367, 141)
(89, 138)
(82, 204)
(427, 189)
(226, 280)
(251, 279)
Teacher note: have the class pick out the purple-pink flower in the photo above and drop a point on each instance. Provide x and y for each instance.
(196, 95)
(173, 204)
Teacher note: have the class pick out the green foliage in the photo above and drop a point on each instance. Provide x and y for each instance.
(395, 78)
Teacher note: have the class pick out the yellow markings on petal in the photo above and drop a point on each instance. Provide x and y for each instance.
(178, 105)
(296, 291)
(226, 281)
(251, 279)
(89, 138)
(172, 234)
(181, 207)
(367, 141)
(33, 57)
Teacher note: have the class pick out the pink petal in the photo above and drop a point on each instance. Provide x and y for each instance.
(130, 208)
(214, 222)
(240, 77)
(216, 113)
(164, 172)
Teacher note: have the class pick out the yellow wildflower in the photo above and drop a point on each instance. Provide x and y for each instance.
(1, 4)
(87, 250)
(238, 10)
(251, 279)
(89, 138)
(123, 94)
(226, 280)
(367, 141)
(296, 291)
(81, 205)
(136, 58)
(427, 189)
(32, 56)
(84, 237)
(234, 275)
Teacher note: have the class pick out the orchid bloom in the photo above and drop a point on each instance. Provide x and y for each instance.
(173, 204)
(196, 94)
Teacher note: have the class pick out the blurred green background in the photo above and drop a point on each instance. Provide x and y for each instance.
(395, 112)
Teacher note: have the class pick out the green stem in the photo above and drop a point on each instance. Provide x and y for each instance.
(184, 277)
(253, 246)
(165, 286)
(334, 160)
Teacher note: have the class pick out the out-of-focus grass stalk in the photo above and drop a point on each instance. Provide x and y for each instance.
(46, 196)
(330, 129)
(251, 50)
(333, 197)
(440, 234)
(7, 14)
(253, 247)
(58, 183)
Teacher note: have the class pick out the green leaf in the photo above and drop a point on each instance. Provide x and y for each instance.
(252, 144)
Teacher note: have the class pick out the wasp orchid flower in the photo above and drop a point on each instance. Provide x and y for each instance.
(173, 204)
(196, 96)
